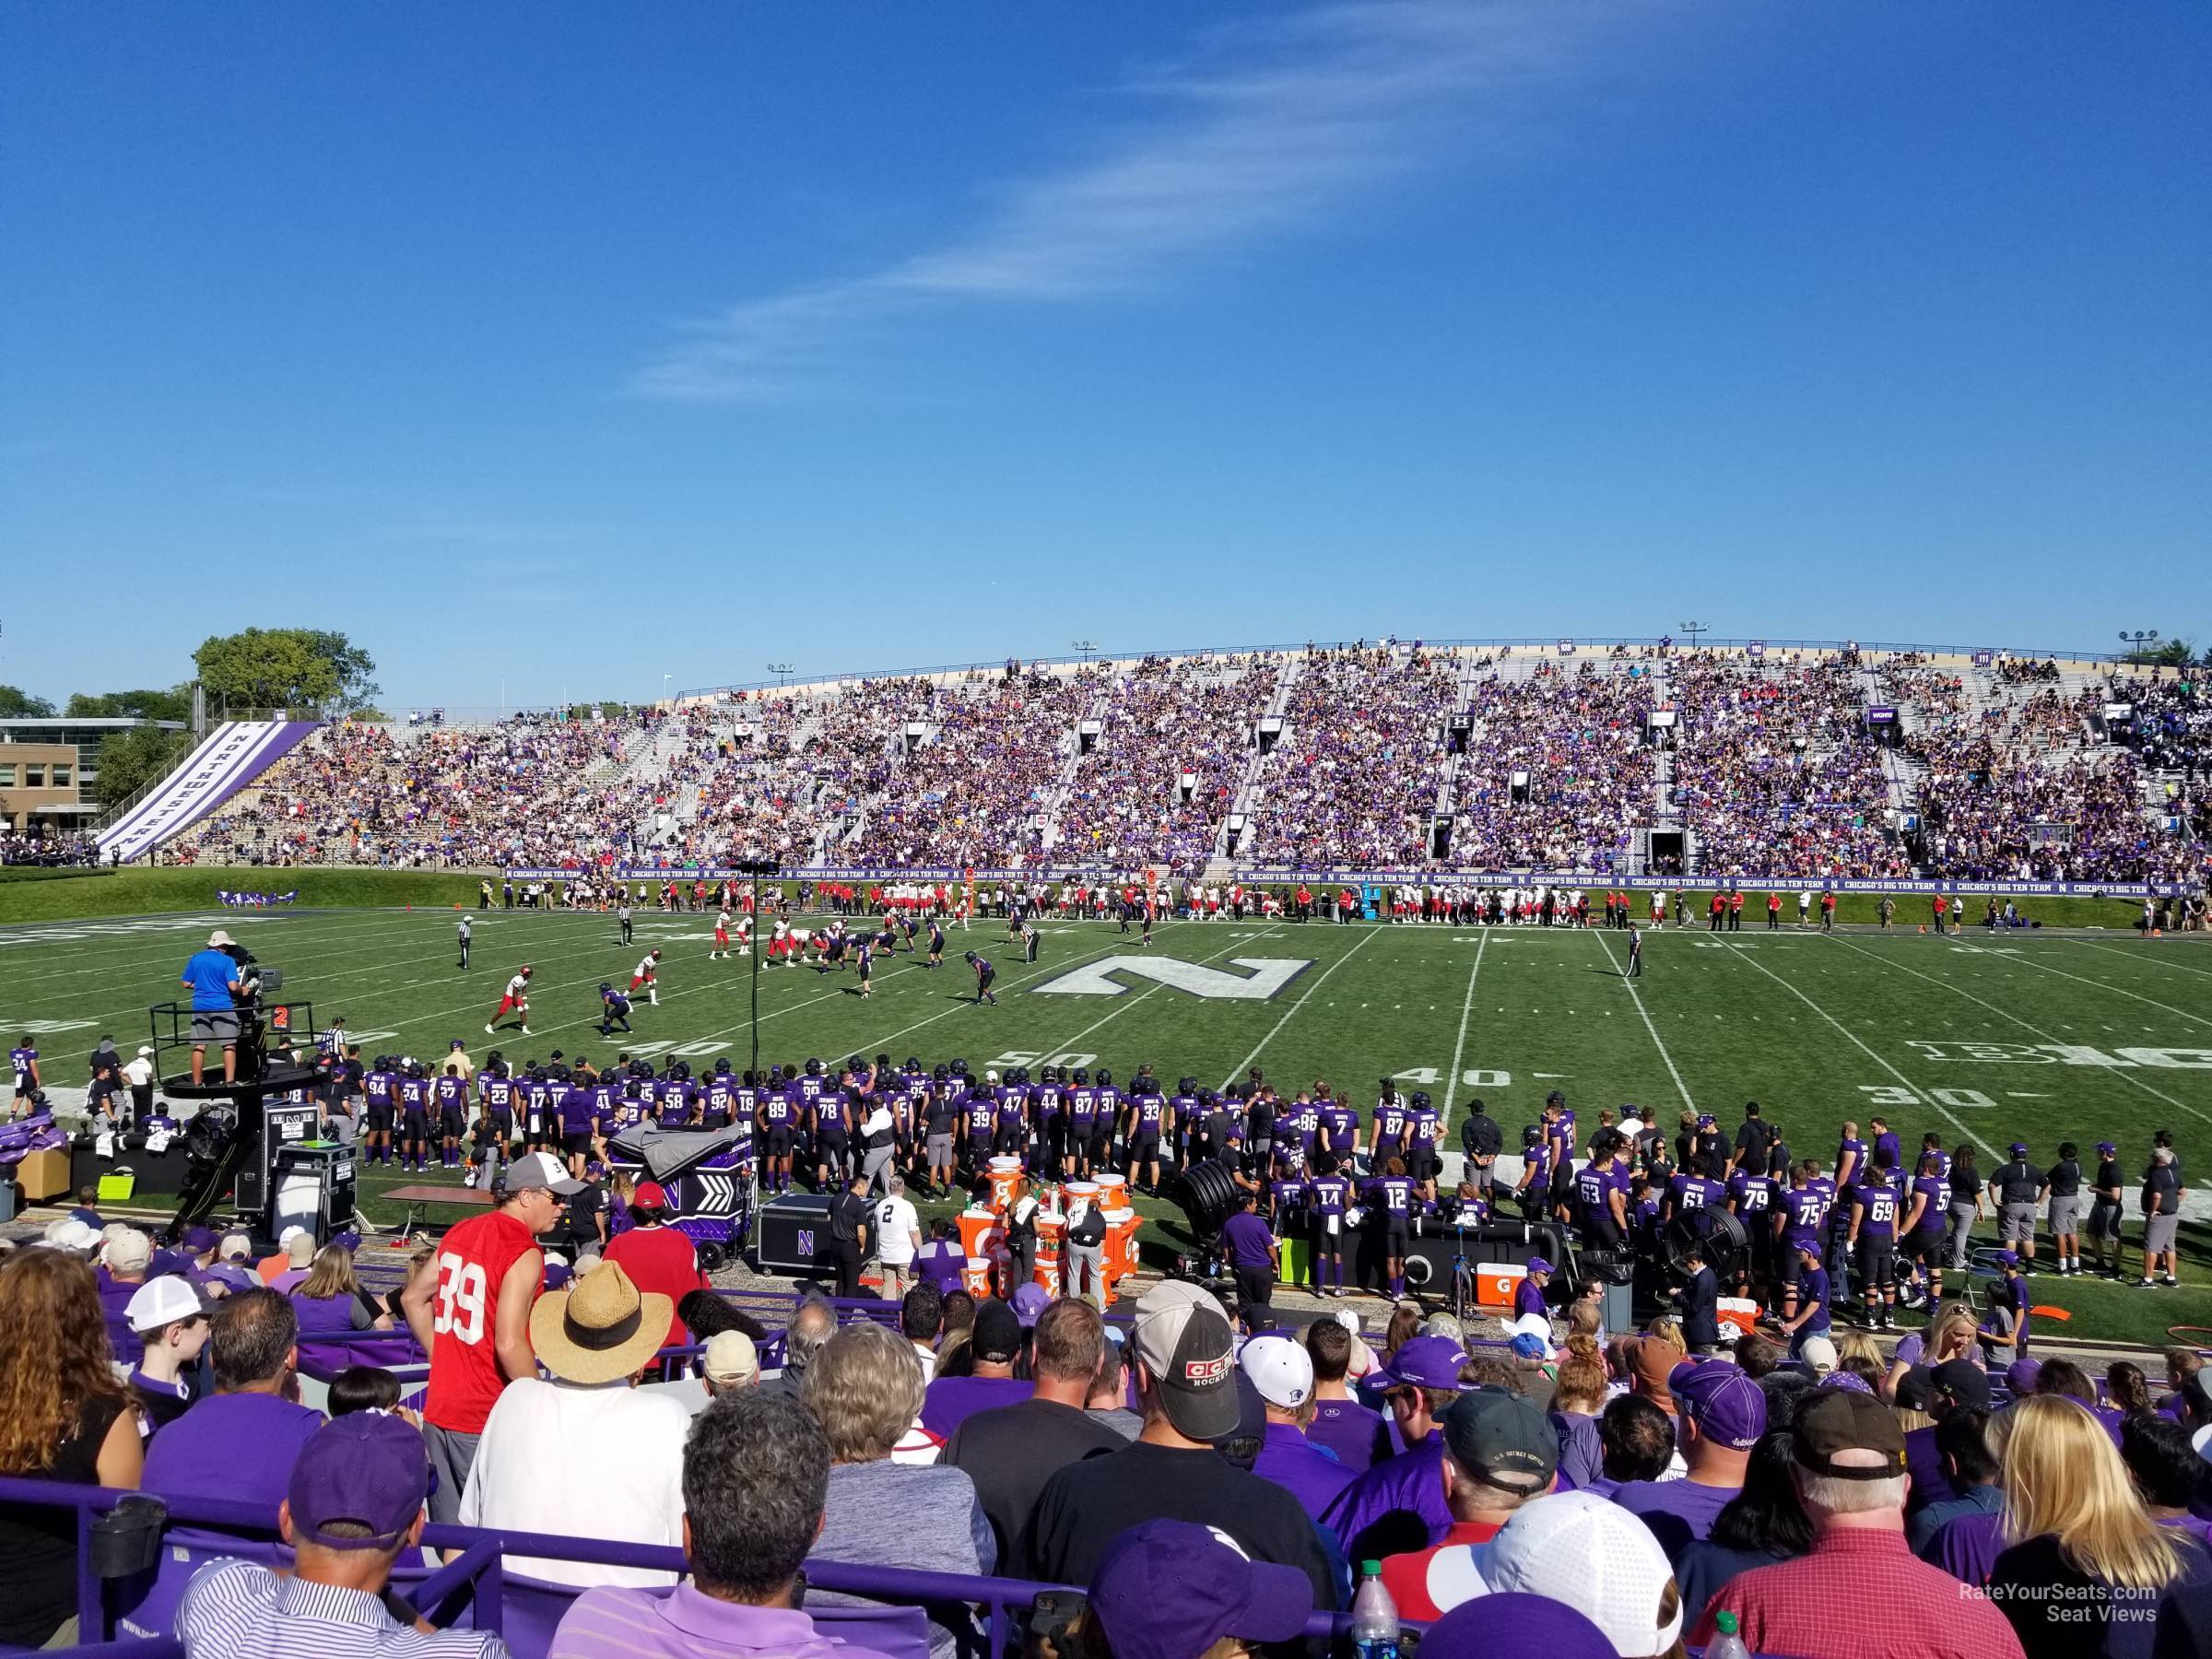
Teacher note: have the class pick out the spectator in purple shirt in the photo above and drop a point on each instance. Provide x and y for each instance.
(1282, 1373)
(1355, 1433)
(240, 1442)
(1398, 1507)
(755, 1479)
(993, 1347)
(1723, 1413)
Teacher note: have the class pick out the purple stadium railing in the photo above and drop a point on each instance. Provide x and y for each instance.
(478, 1572)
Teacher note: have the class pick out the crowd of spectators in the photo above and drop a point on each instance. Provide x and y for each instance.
(2016, 772)
(1777, 772)
(529, 790)
(976, 791)
(52, 850)
(1825, 1506)
(1167, 718)
(1354, 779)
(2016, 785)
(1578, 733)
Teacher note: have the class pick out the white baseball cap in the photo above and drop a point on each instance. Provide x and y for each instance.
(1590, 1553)
(129, 1252)
(1281, 1372)
(163, 1301)
(235, 1247)
(69, 1233)
(538, 1169)
(731, 1358)
(1820, 1353)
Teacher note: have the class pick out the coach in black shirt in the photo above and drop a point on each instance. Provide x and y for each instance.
(2018, 1188)
(1186, 1379)
(849, 1234)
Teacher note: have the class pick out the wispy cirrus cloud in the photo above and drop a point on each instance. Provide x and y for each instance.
(1259, 133)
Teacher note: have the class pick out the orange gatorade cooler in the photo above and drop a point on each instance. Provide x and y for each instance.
(979, 1230)
(975, 1277)
(1005, 1175)
(1052, 1234)
(1495, 1283)
(1113, 1192)
(1121, 1247)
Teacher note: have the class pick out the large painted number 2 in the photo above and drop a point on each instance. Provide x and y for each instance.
(460, 1300)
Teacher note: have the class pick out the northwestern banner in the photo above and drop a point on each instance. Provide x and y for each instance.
(233, 755)
(255, 900)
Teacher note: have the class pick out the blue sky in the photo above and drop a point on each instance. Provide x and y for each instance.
(567, 347)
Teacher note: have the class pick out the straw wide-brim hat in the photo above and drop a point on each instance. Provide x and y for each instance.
(601, 1328)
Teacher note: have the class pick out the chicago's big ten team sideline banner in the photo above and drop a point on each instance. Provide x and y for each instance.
(1397, 879)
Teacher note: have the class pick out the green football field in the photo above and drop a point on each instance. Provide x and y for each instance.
(2043, 1037)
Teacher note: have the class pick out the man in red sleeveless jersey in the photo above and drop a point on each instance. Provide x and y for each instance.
(469, 1307)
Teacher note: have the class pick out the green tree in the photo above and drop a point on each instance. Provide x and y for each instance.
(137, 705)
(19, 704)
(133, 759)
(285, 667)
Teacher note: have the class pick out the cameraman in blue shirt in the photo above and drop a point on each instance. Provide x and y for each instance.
(212, 976)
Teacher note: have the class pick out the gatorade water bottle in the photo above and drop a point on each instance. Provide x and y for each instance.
(1375, 1616)
(1726, 1644)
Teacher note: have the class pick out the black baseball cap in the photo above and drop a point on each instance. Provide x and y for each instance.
(1962, 1383)
(1502, 1439)
(1841, 1420)
(997, 1332)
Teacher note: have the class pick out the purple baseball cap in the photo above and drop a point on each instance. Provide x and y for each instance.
(2107, 1147)
(1029, 1301)
(1169, 1588)
(367, 1469)
(1844, 1379)
(1722, 1400)
(2007, 1258)
(2021, 1375)
(1515, 1621)
(1538, 1265)
(1425, 1362)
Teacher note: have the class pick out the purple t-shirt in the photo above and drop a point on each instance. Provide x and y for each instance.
(1529, 1298)
(1411, 1485)
(235, 1446)
(1582, 1452)
(951, 1401)
(1924, 1463)
(1308, 1472)
(1968, 1547)
(1353, 1432)
(1679, 1512)
(1247, 1238)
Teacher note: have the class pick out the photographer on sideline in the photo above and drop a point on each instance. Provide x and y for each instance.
(212, 976)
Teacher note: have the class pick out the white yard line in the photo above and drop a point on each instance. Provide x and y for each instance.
(2026, 960)
(1459, 1048)
(2120, 1072)
(1680, 1087)
(1237, 1071)
(2151, 956)
(1853, 1037)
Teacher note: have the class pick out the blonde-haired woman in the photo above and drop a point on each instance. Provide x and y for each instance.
(865, 1391)
(2086, 1566)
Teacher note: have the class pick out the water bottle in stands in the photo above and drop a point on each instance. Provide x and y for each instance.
(1375, 1616)
(1726, 1644)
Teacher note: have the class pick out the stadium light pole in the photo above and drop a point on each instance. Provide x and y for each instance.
(783, 671)
(2142, 639)
(1693, 629)
(1087, 649)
